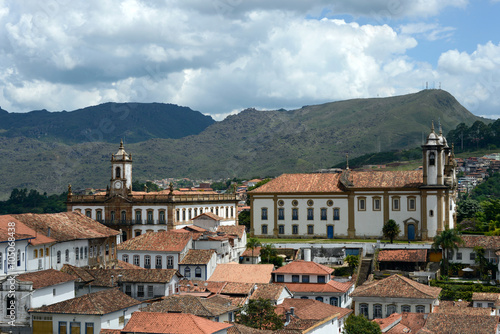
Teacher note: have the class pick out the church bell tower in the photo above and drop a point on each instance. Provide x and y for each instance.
(121, 172)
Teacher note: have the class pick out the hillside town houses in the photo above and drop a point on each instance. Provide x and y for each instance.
(122, 261)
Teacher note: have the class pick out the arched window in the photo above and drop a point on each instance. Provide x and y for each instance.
(147, 261)
(125, 258)
(363, 309)
(77, 253)
(197, 272)
(432, 159)
(377, 311)
(118, 173)
(406, 308)
(159, 264)
(35, 253)
(170, 262)
(304, 297)
(390, 310)
(66, 255)
(420, 309)
(187, 272)
(136, 260)
(319, 299)
(334, 301)
(58, 256)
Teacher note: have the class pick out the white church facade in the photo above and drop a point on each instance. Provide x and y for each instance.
(138, 212)
(356, 204)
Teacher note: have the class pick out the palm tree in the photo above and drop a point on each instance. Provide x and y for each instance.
(448, 241)
(253, 243)
(268, 251)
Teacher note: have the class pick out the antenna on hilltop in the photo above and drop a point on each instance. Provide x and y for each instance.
(439, 84)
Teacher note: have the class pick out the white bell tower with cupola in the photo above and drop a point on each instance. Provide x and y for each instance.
(434, 153)
(121, 172)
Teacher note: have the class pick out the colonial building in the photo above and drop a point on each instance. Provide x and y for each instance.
(356, 204)
(137, 212)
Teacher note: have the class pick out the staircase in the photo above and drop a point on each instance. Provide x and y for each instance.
(365, 269)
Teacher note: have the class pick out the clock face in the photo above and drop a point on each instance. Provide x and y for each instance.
(118, 185)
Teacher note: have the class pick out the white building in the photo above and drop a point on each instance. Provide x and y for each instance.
(159, 250)
(138, 212)
(310, 280)
(353, 204)
(45, 241)
(467, 256)
(31, 290)
(108, 309)
(198, 264)
(394, 294)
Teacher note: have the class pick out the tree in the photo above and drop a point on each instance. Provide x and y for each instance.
(352, 261)
(358, 324)
(448, 242)
(259, 314)
(391, 229)
(244, 219)
(467, 208)
(268, 251)
(253, 243)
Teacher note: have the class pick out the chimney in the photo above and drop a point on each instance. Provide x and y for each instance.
(48, 232)
(292, 311)
(287, 321)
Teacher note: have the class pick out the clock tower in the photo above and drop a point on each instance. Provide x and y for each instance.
(121, 172)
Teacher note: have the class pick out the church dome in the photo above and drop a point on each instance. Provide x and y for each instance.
(433, 138)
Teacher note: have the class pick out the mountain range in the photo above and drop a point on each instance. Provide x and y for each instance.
(47, 155)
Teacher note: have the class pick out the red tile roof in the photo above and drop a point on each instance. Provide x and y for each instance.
(389, 321)
(66, 226)
(486, 296)
(460, 307)
(487, 242)
(161, 241)
(112, 277)
(240, 329)
(457, 323)
(238, 230)
(309, 309)
(200, 307)
(301, 183)
(198, 256)
(396, 286)
(21, 231)
(304, 267)
(331, 182)
(330, 287)
(209, 215)
(44, 278)
(243, 273)
(97, 303)
(268, 291)
(152, 322)
(248, 252)
(403, 255)
(237, 288)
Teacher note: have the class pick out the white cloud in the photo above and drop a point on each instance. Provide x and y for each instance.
(428, 31)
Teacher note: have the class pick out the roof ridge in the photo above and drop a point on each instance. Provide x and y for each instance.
(410, 282)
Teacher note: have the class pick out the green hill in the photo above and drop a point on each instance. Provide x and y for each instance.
(253, 142)
(108, 122)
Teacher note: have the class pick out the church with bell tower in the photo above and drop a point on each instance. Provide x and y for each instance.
(137, 212)
(356, 204)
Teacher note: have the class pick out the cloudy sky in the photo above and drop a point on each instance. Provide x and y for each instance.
(221, 56)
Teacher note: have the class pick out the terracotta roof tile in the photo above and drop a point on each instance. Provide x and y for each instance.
(334, 287)
(267, 291)
(66, 226)
(243, 273)
(97, 303)
(81, 274)
(301, 183)
(311, 309)
(457, 323)
(237, 288)
(22, 231)
(389, 321)
(487, 242)
(209, 215)
(198, 256)
(396, 286)
(304, 267)
(460, 307)
(387, 179)
(248, 252)
(403, 255)
(161, 241)
(486, 296)
(201, 307)
(153, 322)
(186, 285)
(241, 329)
(413, 321)
(44, 278)
(238, 230)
